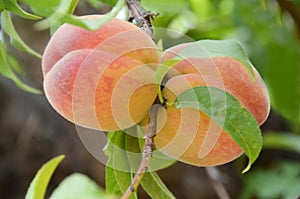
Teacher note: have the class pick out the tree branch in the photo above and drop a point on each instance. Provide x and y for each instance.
(142, 17)
(147, 152)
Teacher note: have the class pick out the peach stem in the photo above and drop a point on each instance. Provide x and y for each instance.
(141, 16)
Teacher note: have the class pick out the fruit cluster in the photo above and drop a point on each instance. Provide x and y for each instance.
(106, 80)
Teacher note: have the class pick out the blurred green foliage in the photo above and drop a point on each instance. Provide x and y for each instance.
(280, 181)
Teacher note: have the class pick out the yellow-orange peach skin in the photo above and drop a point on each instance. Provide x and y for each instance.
(102, 79)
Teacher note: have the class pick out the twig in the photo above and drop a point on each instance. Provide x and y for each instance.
(213, 174)
(147, 152)
(142, 17)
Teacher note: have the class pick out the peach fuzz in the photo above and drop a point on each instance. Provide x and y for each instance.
(102, 79)
(190, 135)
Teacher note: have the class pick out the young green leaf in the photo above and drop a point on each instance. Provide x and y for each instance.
(118, 171)
(64, 8)
(163, 7)
(40, 182)
(13, 6)
(116, 152)
(111, 183)
(78, 186)
(217, 48)
(15, 39)
(63, 14)
(155, 187)
(6, 70)
(94, 24)
(42, 8)
(226, 111)
(109, 2)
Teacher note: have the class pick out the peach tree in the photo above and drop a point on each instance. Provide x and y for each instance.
(198, 102)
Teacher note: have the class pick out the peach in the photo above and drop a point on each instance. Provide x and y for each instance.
(102, 79)
(189, 134)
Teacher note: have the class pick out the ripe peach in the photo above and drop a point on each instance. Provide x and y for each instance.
(189, 134)
(102, 79)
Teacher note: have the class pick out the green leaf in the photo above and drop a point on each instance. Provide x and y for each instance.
(65, 8)
(217, 48)
(154, 186)
(109, 2)
(283, 141)
(42, 8)
(94, 24)
(6, 70)
(116, 151)
(78, 186)
(163, 7)
(13, 6)
(38, 186)
(118, 175)
(1, 6)
(111, 183)
(63, 14)
(226, 111)
(124, 152)
(15, 39)
(279, 181)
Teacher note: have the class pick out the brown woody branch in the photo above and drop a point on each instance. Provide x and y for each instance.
(147, 152)
(141, 16)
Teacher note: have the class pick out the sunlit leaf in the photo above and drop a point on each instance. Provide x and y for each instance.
(42, 8)
(163, 7)
(109, 2)
(280, 181)
(63, 14)
(38, 186)
(6, 70)
(15, 39)
(13, 6)
(64, 8)
(93, 24)
(226, 111)
(155, 187)
(111, 184)
(1, 6)
(78, 186)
